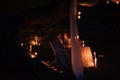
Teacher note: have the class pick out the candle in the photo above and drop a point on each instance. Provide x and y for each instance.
(95, 60)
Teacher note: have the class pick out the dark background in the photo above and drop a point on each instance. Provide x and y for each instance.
(99, 25)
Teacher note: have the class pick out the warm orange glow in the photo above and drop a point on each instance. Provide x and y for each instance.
(95, 60)
(38, 43)
(36, 53)
(36, 40)
(79, 13)
(107, 2)
(32, 42)
(51, 67)
(21, 44)
(115, 1)
(83, 44)
(32, 56)
(87, 57)
(79, 17)
(30, 48)
(88, 3)
(77, 37)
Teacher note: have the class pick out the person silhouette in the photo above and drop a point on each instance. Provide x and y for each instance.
(66, 40)
(67, 44)
(60, 51)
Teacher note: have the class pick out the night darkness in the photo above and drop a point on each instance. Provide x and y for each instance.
(99, 27)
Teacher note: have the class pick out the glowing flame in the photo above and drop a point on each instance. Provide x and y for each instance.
(32, 56)
(36, 53)
(88, 3)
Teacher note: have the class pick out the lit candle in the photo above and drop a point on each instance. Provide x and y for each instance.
(83, 43)
(95, 60)
(32, 56)
(36, 40)
(30, 48)
(36, 53)
(21, 44)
